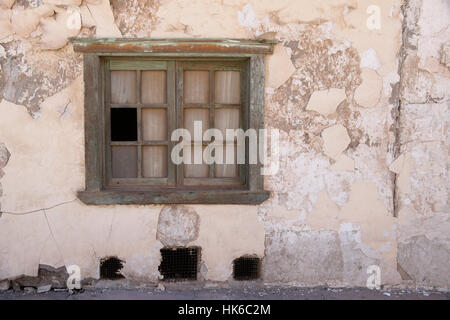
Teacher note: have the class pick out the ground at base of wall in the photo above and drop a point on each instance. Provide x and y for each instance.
(273, 293)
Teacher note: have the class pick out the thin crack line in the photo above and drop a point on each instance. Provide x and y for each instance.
(37, 210)
(53, 236)
(65, 108)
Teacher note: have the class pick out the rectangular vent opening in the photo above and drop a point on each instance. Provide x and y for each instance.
(246, 268)
(110, 268)
(179, 263)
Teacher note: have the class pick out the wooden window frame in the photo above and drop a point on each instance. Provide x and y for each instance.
(97, 52)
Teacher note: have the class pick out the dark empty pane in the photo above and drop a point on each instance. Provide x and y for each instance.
(124, 161)
(123, 124)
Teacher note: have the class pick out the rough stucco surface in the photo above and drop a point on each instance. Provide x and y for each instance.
(363, 117)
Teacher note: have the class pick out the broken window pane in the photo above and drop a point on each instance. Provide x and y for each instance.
(123, 124)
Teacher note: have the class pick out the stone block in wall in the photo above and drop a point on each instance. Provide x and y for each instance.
(425, 261)
(177, 225)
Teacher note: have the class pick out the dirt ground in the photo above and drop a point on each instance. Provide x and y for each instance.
(273, 293)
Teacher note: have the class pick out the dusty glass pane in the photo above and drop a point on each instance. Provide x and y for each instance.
(154, 124)
(154, 161)
(196, 86)
(227, 87)
(153, 85)
(124, 161)
(226, 119)
(123, 86)
(227, 169)
(196, 170)
(191, 115)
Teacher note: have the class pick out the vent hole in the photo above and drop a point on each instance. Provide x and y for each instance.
(110, 268)
(179, 263)
(246, 268)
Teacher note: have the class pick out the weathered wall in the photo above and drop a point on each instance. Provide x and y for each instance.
(363, 119)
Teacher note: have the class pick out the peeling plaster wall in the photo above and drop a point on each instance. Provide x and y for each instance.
(423, 182)
(363, 119)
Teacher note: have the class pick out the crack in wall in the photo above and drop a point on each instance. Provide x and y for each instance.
(36, 210)
(53, 236)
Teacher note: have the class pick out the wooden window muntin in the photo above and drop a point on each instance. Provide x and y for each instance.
(138, 66)
(211, 106)
(174, 107)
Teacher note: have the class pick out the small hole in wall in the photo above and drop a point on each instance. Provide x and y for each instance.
(246, 268)
(110, 268)
(179, 263)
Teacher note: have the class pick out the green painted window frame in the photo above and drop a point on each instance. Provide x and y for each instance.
(97, 53)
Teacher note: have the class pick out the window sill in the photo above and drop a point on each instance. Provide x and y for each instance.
(109, 197)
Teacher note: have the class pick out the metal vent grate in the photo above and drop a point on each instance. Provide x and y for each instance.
(246, 268)
(179, 263)
(110, 268)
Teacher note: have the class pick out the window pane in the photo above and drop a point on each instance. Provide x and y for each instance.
(154, 124)
(123, 124)
(227, 170)
(153, 85)
(196, 86)
(191, 115)
(123, 86)
(154, 161)
(227, 87)
(124, 161)
(226, 119)
(196, 170)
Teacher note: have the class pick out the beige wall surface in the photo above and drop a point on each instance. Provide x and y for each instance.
(358, 89)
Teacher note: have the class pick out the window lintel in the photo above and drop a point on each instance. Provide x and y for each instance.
(145, 46)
